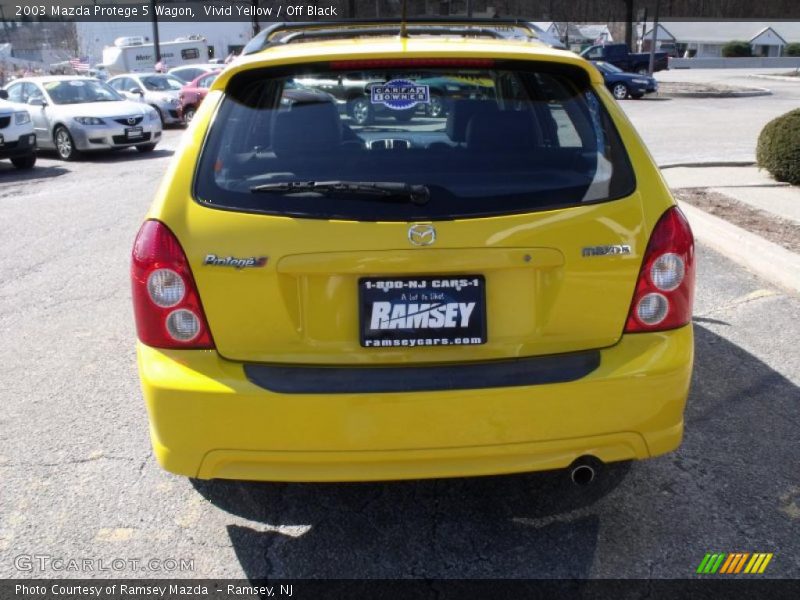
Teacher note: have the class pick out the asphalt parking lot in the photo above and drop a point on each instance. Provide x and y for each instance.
(79, 480)
(688, 130)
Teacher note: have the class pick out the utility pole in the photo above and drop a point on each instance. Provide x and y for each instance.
(156, 43)
(644, 29)
(653, 41)
(629, 23)
(256, 26)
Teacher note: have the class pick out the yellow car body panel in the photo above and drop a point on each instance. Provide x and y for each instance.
(631, 407)
(543, 298)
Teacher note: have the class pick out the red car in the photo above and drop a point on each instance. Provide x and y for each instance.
(192, 94)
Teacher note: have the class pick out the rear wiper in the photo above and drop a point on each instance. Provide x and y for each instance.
(389, 191)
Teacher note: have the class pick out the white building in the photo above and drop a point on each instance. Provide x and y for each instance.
(704, 39)
(223, 37)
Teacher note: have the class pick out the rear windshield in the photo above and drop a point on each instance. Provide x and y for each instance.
(348, 140)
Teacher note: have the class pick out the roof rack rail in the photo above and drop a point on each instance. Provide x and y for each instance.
(286, 33)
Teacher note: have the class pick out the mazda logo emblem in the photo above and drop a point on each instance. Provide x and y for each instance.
(131, 120)
(422, 235)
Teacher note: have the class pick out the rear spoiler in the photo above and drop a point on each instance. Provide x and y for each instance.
(286, 33)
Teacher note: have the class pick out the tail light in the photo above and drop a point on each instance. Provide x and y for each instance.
(665, 288)
(166, 304)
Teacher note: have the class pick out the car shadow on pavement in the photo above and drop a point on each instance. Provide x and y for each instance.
(476, 527)
(540, 524)
(126, 155)
(10, 174)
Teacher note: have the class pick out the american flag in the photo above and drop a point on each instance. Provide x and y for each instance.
(80, 64)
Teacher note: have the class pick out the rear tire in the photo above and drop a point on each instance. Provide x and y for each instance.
(361, 111)
(188, 115)
(24, 162)
(436, 107)
(620, 91)
(145, 148)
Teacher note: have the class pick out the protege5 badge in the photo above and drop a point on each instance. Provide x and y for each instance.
(232, 261)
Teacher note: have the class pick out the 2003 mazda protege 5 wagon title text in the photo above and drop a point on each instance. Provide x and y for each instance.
(435, 254)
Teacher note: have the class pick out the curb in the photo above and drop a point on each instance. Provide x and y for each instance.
(702, 165)
(777, 78)
(774, 263)
(729, 94)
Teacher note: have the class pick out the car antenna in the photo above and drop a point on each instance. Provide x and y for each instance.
(403, 27)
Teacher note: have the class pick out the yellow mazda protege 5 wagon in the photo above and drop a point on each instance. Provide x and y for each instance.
(390, 252)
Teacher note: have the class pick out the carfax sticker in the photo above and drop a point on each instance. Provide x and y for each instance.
(400, 94)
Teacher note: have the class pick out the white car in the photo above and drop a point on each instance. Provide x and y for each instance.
(74, 114)
(17, 138)
(159, 90)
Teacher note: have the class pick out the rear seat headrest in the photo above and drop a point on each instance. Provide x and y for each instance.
(506, 130)
(310, 128)
(460, 114)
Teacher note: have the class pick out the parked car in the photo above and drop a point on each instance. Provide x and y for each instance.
(352, 93)
(620, 56)
(17, 138)
(446, 90)
(626, 85)
(156, 89)
(74, 114)
(188, 73)
(192, 94)
(507, 288)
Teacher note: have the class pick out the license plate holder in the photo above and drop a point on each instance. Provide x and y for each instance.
(133, 133)
(424, 311)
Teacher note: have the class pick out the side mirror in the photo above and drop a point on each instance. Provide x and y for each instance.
(137, 91)
(37, 102)
(3, 95)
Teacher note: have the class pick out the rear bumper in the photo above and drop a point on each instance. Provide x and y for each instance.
(208, 420)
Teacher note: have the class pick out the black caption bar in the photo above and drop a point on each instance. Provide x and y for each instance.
(316, 589)
(325, 10)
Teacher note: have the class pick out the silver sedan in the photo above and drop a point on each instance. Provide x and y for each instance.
(156, 89)
(73, 114)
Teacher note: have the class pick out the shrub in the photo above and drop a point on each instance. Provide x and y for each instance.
(736, 49)
(778, 148)
(792, 49)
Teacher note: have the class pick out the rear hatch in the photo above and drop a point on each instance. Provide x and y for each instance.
(475, 211)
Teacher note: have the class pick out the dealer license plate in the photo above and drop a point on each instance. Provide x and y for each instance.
(422, 311)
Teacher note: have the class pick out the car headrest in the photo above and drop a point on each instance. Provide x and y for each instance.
(460, 114)
(506, 130)
(309, 128)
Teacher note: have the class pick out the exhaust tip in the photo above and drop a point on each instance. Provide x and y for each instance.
(582, 475)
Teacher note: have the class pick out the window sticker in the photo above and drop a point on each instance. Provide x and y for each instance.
(400, 94)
